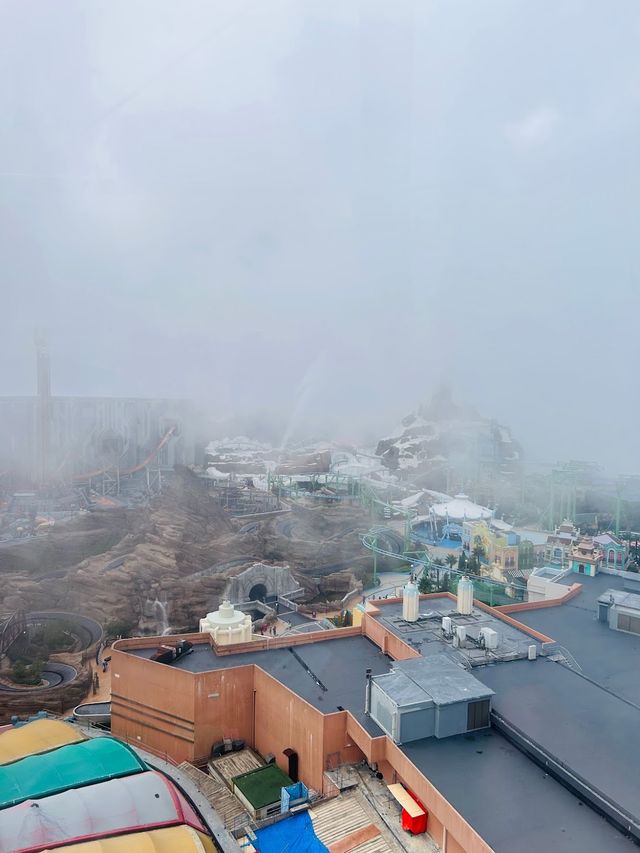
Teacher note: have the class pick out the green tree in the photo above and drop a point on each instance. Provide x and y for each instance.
(118, 628)
(451, 560)
(18, 672)
(426, 584)
(57, 636)
(445, 586)
(478, 552)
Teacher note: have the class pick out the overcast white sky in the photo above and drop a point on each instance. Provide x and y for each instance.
(326, 209)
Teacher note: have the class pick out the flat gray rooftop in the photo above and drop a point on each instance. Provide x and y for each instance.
(609, 657)
(426, 634)
(327, 674)
(586, 728)
(436, 680)
(514, 805)
(621, 598)
(443, 680)
(402, 689)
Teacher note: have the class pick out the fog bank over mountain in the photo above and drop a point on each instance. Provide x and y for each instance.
(312, 214)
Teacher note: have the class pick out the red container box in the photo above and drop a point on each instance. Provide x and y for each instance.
(414, 825)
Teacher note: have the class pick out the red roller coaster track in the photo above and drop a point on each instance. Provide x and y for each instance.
(165, 438)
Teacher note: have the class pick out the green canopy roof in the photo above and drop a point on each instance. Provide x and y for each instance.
(67, 767)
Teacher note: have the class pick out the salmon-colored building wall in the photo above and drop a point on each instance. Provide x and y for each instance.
(178, 713)
(337, 741)
(153, 705)
(223, 707)
(388, 642)
(182, 714)
(285, 721)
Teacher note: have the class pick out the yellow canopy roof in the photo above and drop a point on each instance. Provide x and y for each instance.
(177, 839)
(36, 737)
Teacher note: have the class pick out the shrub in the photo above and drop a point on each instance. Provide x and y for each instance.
(22, 673)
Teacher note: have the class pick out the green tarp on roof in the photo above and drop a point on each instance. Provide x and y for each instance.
(67, 767)
(262, 786)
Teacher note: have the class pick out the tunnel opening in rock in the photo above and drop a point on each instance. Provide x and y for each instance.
(258, 592)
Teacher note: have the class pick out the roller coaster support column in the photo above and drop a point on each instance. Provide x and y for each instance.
(407, 532)
(375, 561)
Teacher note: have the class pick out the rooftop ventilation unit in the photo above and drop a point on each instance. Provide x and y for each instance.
(461, 633)
(533, 652)
(490, 638)
(446, 625)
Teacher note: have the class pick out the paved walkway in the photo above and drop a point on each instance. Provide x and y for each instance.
(103, 693)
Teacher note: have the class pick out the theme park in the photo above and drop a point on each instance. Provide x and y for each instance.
(319, 471)
(318, 648)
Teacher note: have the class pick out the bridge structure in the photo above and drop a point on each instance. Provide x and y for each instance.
(322, 486)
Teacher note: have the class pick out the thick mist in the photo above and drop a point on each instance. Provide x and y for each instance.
(315, 214)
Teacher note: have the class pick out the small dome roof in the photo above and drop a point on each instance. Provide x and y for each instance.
(461, 508)
(226, 615)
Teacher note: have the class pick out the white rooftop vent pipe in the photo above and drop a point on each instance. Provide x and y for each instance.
(410, 602)
(465, 596)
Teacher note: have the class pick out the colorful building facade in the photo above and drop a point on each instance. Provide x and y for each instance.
(560, 543)
(501, 548)
(615, 552)
(585, 558)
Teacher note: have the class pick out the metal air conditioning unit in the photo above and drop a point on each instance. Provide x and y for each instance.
(490, 638)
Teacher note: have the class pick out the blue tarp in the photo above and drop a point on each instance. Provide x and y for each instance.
(293, 835)
(298, 793)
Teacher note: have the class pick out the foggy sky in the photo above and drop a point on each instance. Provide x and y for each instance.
(324, 210)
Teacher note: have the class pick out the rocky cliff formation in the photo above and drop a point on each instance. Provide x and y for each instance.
(168, 564)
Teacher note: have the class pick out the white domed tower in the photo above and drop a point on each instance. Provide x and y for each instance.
(227, 625)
